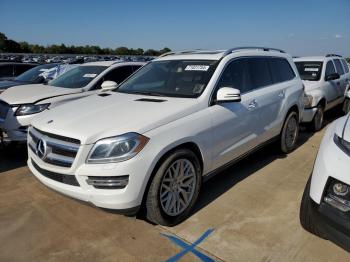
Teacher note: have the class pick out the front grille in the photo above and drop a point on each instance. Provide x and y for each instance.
(55, 150)
(4, 108)
(65, 179)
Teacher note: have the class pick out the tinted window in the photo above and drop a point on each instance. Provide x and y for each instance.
(6, 71)
(135, 67)
(236, 76)
(339, 66)
(330, 68)
(118, 74)
(259, 72)
(19, 69)
(281, 70)
(309, 70)
(345, 65)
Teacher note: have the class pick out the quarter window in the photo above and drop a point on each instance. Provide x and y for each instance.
(339, 67)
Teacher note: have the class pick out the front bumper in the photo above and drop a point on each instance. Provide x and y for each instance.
(124, 200)
(309, 114)
(15, 127)
(333, 223)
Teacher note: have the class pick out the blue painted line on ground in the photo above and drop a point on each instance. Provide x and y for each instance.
(189, 248)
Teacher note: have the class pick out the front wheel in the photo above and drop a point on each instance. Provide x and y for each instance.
(317, 122)
(346, 105)
(174, 188)
(290, 133)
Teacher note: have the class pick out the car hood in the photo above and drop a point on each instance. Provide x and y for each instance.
(342, 127)
(98, 116)
(311, 85)
(8, 83)
(26, 94)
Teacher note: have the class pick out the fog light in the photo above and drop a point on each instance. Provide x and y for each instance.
(340, 189)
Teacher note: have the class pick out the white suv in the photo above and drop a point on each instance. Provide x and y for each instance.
(177, 120)
(326, 80)
(325, 207)
(20, 104)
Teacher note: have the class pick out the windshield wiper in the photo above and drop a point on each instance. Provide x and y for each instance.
(147, 93)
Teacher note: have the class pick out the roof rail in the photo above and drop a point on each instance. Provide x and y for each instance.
(231, 50)
(329, 55)
(179, 52)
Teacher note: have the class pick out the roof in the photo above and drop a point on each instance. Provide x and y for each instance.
(315, 58)
(214, 54)
(109, 63)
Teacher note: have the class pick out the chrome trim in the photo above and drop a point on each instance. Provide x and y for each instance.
(337, 202)
(108, 182)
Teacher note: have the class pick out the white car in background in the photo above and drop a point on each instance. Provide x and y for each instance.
(326, 80)
(325, 206)
(179, 119)
(19, 105)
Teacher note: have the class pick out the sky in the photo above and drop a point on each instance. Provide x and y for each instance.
(301, 27)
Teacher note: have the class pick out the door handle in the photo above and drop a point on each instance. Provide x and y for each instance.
(281, 94)
(252, 105)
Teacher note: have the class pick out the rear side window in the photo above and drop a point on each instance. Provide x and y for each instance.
(236, 76)
(339, 66)
(281, 70)
(330, 68)
(259, 72)
(6, 70)
(345, 65)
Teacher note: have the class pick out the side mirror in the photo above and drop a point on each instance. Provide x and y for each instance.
(333, 76)
(228, 94)
(109, 85)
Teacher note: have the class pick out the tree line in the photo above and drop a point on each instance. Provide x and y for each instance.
(11, 46)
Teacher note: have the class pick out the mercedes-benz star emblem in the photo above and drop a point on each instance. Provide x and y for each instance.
(41, 149)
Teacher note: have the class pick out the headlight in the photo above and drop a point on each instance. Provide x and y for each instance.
(343, 144)
(31, 109)
(117, 149)
(308, 101)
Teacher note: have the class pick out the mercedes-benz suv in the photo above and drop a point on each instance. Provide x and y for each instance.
(176, 121)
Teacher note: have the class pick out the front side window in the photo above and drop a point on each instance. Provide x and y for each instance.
(330, 69)
(339, 67)
(259, 72)
(310, 71)
(173, 78)
(281, 70)
(77, 77)
(236, 75)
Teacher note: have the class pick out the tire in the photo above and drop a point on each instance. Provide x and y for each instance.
(288, 137)
(156, 209)
(346, 106)
(308, 218)
(317, 121)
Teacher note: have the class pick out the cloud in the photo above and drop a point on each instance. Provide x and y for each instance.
(338, 36)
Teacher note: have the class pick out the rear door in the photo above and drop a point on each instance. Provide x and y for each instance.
(341, 82)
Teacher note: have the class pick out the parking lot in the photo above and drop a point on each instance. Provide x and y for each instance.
(253, 208)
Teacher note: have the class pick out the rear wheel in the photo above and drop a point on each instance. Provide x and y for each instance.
(308, 218)
(317, 121)
(174, 188)
(290, 133)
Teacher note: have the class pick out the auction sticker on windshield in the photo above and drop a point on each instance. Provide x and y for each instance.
(311, 69)
(197, 68)
(90, 75)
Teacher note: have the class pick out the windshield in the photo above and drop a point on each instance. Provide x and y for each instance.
(77, 77)
(173, 78)
(309, 70)
(32, 75)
